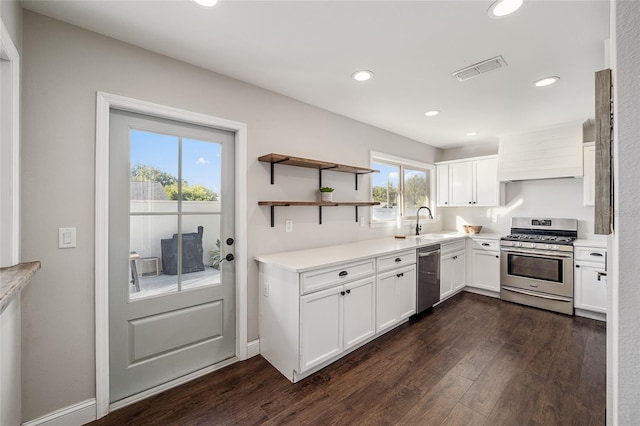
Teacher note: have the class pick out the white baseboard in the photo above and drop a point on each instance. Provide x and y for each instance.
(253, 348)
(76, 414)
(591, 315)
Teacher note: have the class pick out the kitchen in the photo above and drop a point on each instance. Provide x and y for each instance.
(334, 138)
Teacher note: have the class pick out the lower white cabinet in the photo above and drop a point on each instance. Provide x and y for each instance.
(395, 297)
(590, 281)
(590, 287)
(485, 264)
(335, 319)
(452, 268)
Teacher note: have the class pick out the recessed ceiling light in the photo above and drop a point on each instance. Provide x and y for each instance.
(472, 133)
(502, 8)
(432, 113)
(362, 75)
(546, 81)
(207, 3)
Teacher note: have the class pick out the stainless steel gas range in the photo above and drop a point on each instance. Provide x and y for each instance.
(536, 263)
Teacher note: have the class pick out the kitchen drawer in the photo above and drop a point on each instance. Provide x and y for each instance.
(490, 245)
(452, 247)
(319, 279)
(590, 254)
(386, 263)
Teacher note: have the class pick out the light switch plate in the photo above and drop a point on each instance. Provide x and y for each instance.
(66, 237)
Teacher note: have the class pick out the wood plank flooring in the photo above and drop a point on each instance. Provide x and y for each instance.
(473, 360)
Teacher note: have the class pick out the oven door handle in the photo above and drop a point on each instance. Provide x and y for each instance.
(538, 253)
(543, 296)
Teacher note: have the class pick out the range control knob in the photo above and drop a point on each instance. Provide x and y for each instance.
(556, 247)
(517, 244)
(546, 246)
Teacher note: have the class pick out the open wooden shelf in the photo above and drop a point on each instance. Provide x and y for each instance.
(321, 166)
(313, 164)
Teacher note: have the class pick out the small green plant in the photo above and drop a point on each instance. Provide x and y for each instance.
(214, 256)
(326, 189)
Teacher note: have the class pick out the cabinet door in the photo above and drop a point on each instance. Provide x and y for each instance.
(458, 275)
(446, 276)
(590, 288)
(589, 182)
(320, 327)
(485, 182)
(486, 270)
(385, 301)
(359, 312)
(460, 178)
(442, 181)
(406, 293)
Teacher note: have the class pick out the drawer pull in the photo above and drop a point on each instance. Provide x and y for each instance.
(486, 244)
(398, 260)
(595, 254)
(343, 274)
(400, 275)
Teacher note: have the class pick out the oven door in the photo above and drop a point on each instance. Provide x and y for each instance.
(538, 271)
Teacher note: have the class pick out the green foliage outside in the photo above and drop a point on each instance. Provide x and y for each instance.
(415, 192)
(214, 256)
(145, 173)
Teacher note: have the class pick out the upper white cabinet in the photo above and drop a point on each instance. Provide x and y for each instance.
(550, 153)
(470, 182)
(589, 182)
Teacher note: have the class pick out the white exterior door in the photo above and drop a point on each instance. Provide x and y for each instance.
(171, 220)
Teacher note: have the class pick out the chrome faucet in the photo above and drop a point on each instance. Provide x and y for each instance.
(418, 227)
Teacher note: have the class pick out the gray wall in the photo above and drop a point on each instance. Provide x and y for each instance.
(64, 66)
(625, 291)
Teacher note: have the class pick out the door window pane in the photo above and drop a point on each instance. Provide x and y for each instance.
(386, 188)
(201, 176)
(154, 170)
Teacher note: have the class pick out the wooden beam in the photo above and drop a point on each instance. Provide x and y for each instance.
(603, 220)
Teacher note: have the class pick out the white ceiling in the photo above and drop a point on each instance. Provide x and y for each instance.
(308, 49)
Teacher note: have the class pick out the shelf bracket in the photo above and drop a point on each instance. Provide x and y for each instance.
(356, 207)
(320, 174)
(320, 215)
(273, 163)
(272, 213)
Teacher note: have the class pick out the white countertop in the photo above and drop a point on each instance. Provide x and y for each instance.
(590, 243)
(304, 260)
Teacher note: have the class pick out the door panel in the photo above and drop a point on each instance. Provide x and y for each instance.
(406, 292)
(359, 312)
(321, 320)
(170, 312)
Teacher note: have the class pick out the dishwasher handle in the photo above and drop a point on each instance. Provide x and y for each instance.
(428, 253)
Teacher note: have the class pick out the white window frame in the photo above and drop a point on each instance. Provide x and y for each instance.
(10, 149)
(402, 163)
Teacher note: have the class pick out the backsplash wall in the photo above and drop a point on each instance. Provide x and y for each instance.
(555, 198)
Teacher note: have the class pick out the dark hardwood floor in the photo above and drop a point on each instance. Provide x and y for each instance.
(472, 361)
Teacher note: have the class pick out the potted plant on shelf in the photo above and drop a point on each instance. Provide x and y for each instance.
(326, 194)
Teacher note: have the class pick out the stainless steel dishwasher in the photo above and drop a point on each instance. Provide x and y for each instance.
(428, 286)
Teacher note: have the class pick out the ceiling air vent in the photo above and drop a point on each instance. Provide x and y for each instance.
(479, 68)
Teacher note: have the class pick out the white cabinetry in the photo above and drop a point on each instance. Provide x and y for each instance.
(452, 268)
(590, 282)
(589, 182)
(485, 264)
(334, 320)
(472, 182)
(442, 177)
(310, 317)
(396, 297)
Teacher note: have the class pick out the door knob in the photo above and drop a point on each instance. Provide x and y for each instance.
(229, 257)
